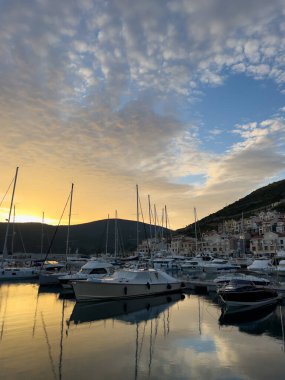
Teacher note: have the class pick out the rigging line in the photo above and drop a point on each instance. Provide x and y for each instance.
(2, 200)
(55, 232)
(49, 347)
(21, 238)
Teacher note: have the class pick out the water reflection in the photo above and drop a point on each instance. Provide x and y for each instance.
(128, 311)
(46, 337)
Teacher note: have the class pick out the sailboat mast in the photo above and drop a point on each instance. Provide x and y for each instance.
(13, 231)
(42, 233)
(138, 216)
(69, 219)
(107, 236)
(116, 233)
(149, 214)
(196, 237)
(8, 222)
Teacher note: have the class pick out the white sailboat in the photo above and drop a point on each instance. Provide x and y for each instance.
(14, 273)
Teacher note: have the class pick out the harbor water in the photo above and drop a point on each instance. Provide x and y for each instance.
(46, 335)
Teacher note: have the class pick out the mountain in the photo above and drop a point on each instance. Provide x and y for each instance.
(88, 238)
(270, 197)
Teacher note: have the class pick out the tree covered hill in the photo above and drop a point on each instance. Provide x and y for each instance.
(87, 238)
(270, 197)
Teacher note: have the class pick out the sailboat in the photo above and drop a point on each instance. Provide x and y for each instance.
(51, 277)
(14, 273)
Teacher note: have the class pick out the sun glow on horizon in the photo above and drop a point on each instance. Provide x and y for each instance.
(27, 218)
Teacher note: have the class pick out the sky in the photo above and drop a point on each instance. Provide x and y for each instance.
(185, 98)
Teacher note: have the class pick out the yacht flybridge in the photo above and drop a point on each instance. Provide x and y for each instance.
(127, 284)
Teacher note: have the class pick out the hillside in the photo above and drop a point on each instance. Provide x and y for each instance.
(88, 238)
(271, 196)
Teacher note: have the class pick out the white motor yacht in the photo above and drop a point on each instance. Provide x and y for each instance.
(127, 284)
(163, 263)
(220, 265)
(194, 265)
(18, 273)
(92, 269)
(261, 265)
(50, 272)
(280, 269)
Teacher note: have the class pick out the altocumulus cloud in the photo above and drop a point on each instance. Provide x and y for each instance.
(98, 86)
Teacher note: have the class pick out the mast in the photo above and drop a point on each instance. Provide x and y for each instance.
(196, 236)
(155, 221)
(116, 233)
(69, 218)
(149, 214)
(8, 222)
(107, 236)
(138, 216)
(13, 231)
(42, 233)
(166, 232)
(162, 223)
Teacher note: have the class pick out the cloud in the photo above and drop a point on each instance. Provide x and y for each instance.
(95, 87)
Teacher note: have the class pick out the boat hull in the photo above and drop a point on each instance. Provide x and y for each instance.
(49, 278)
(18, 274)
(92, 291)
(256, 298)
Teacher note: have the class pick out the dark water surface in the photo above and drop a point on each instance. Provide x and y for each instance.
(44, 336)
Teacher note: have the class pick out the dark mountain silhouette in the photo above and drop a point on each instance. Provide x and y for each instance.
(87, 238)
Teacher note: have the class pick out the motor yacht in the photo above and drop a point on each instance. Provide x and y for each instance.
(225, 279)
(244, 293)
(127, 284)
(18, 273)
(92, 269)
(220, 265)
(280, 269)
(261, 265)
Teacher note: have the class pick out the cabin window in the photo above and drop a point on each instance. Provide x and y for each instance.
(98, 271)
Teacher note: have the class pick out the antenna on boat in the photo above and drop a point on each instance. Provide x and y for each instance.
(8, 221)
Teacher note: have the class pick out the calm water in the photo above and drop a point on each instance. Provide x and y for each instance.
(43, 336)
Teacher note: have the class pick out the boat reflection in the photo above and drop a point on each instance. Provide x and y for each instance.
(246, 316)
(128, 311)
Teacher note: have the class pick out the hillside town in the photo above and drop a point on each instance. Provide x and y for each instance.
(262, 234)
